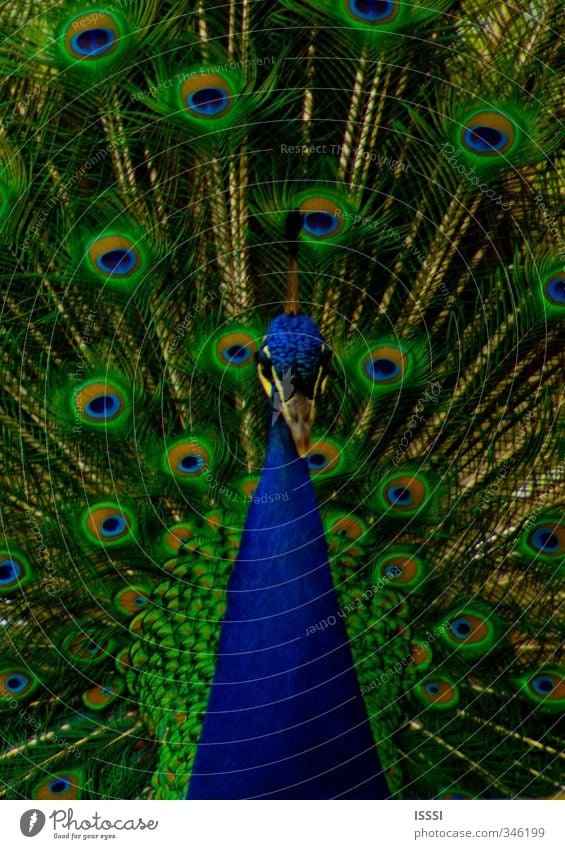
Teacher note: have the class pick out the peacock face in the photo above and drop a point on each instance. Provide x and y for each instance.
(293, 368)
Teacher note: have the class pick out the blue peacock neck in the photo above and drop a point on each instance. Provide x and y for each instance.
(285, 717)
(284, 511)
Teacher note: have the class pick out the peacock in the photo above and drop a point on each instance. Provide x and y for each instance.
(282, 286)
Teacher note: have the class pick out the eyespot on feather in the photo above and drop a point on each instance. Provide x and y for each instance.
(404, 570)
(438, 692)
(207, 95)
(15, 571)
(100, 697)
(547, 539)
(421, 654)
(187, 459)
(99, 402)
(470, 630)
(323, 457)
(131, 600)
(114, 256)
(347, 527)
(91, 36)
(554, 289)
(320, 218)
(85, 648)
(177, 536)
(489, 133)
(546, 687)
(373, 12)
(16, 683)
(61, 786)
(385, 365)
(404, 493)
(236, 350)
(108, 524)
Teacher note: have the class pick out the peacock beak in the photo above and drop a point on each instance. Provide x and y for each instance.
(298, 413)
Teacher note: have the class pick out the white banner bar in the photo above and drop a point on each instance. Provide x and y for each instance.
(286, 825)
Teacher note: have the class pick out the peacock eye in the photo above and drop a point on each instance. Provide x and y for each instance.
(108, 524)
(131, 599)
(455, 794)
(15, 571)
(191, 463)
(548, 539)
(386, 367)
(234, 352)
(405, 493)
(317, 461)
(320, 224)
(372, 11)
(470, 631)
(438, 692)
(461, 627)
(405, 570)
(400, 495)
(65, 785)
(554, 289)
(114, 256)
(103, 406)
(237, 354)
(92, 36)
(207, 95)
(320, 218)
(9, 571)
(547, 687)
(100, 696)
(100, 403)
(187, 459)
(543, 685)
(324, 457)
(348, 527)
(545, 540)
(177, 536)
(16, 683)
(84, 648)
(208, 101)
(382, 369)
(93, 41)
(488, 133)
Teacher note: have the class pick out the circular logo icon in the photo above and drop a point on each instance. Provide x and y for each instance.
(32, 822)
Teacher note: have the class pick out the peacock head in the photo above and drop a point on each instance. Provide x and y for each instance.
(293, 366)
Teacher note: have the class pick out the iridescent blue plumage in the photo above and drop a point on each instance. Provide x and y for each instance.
(285, 717)
(295, 344)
